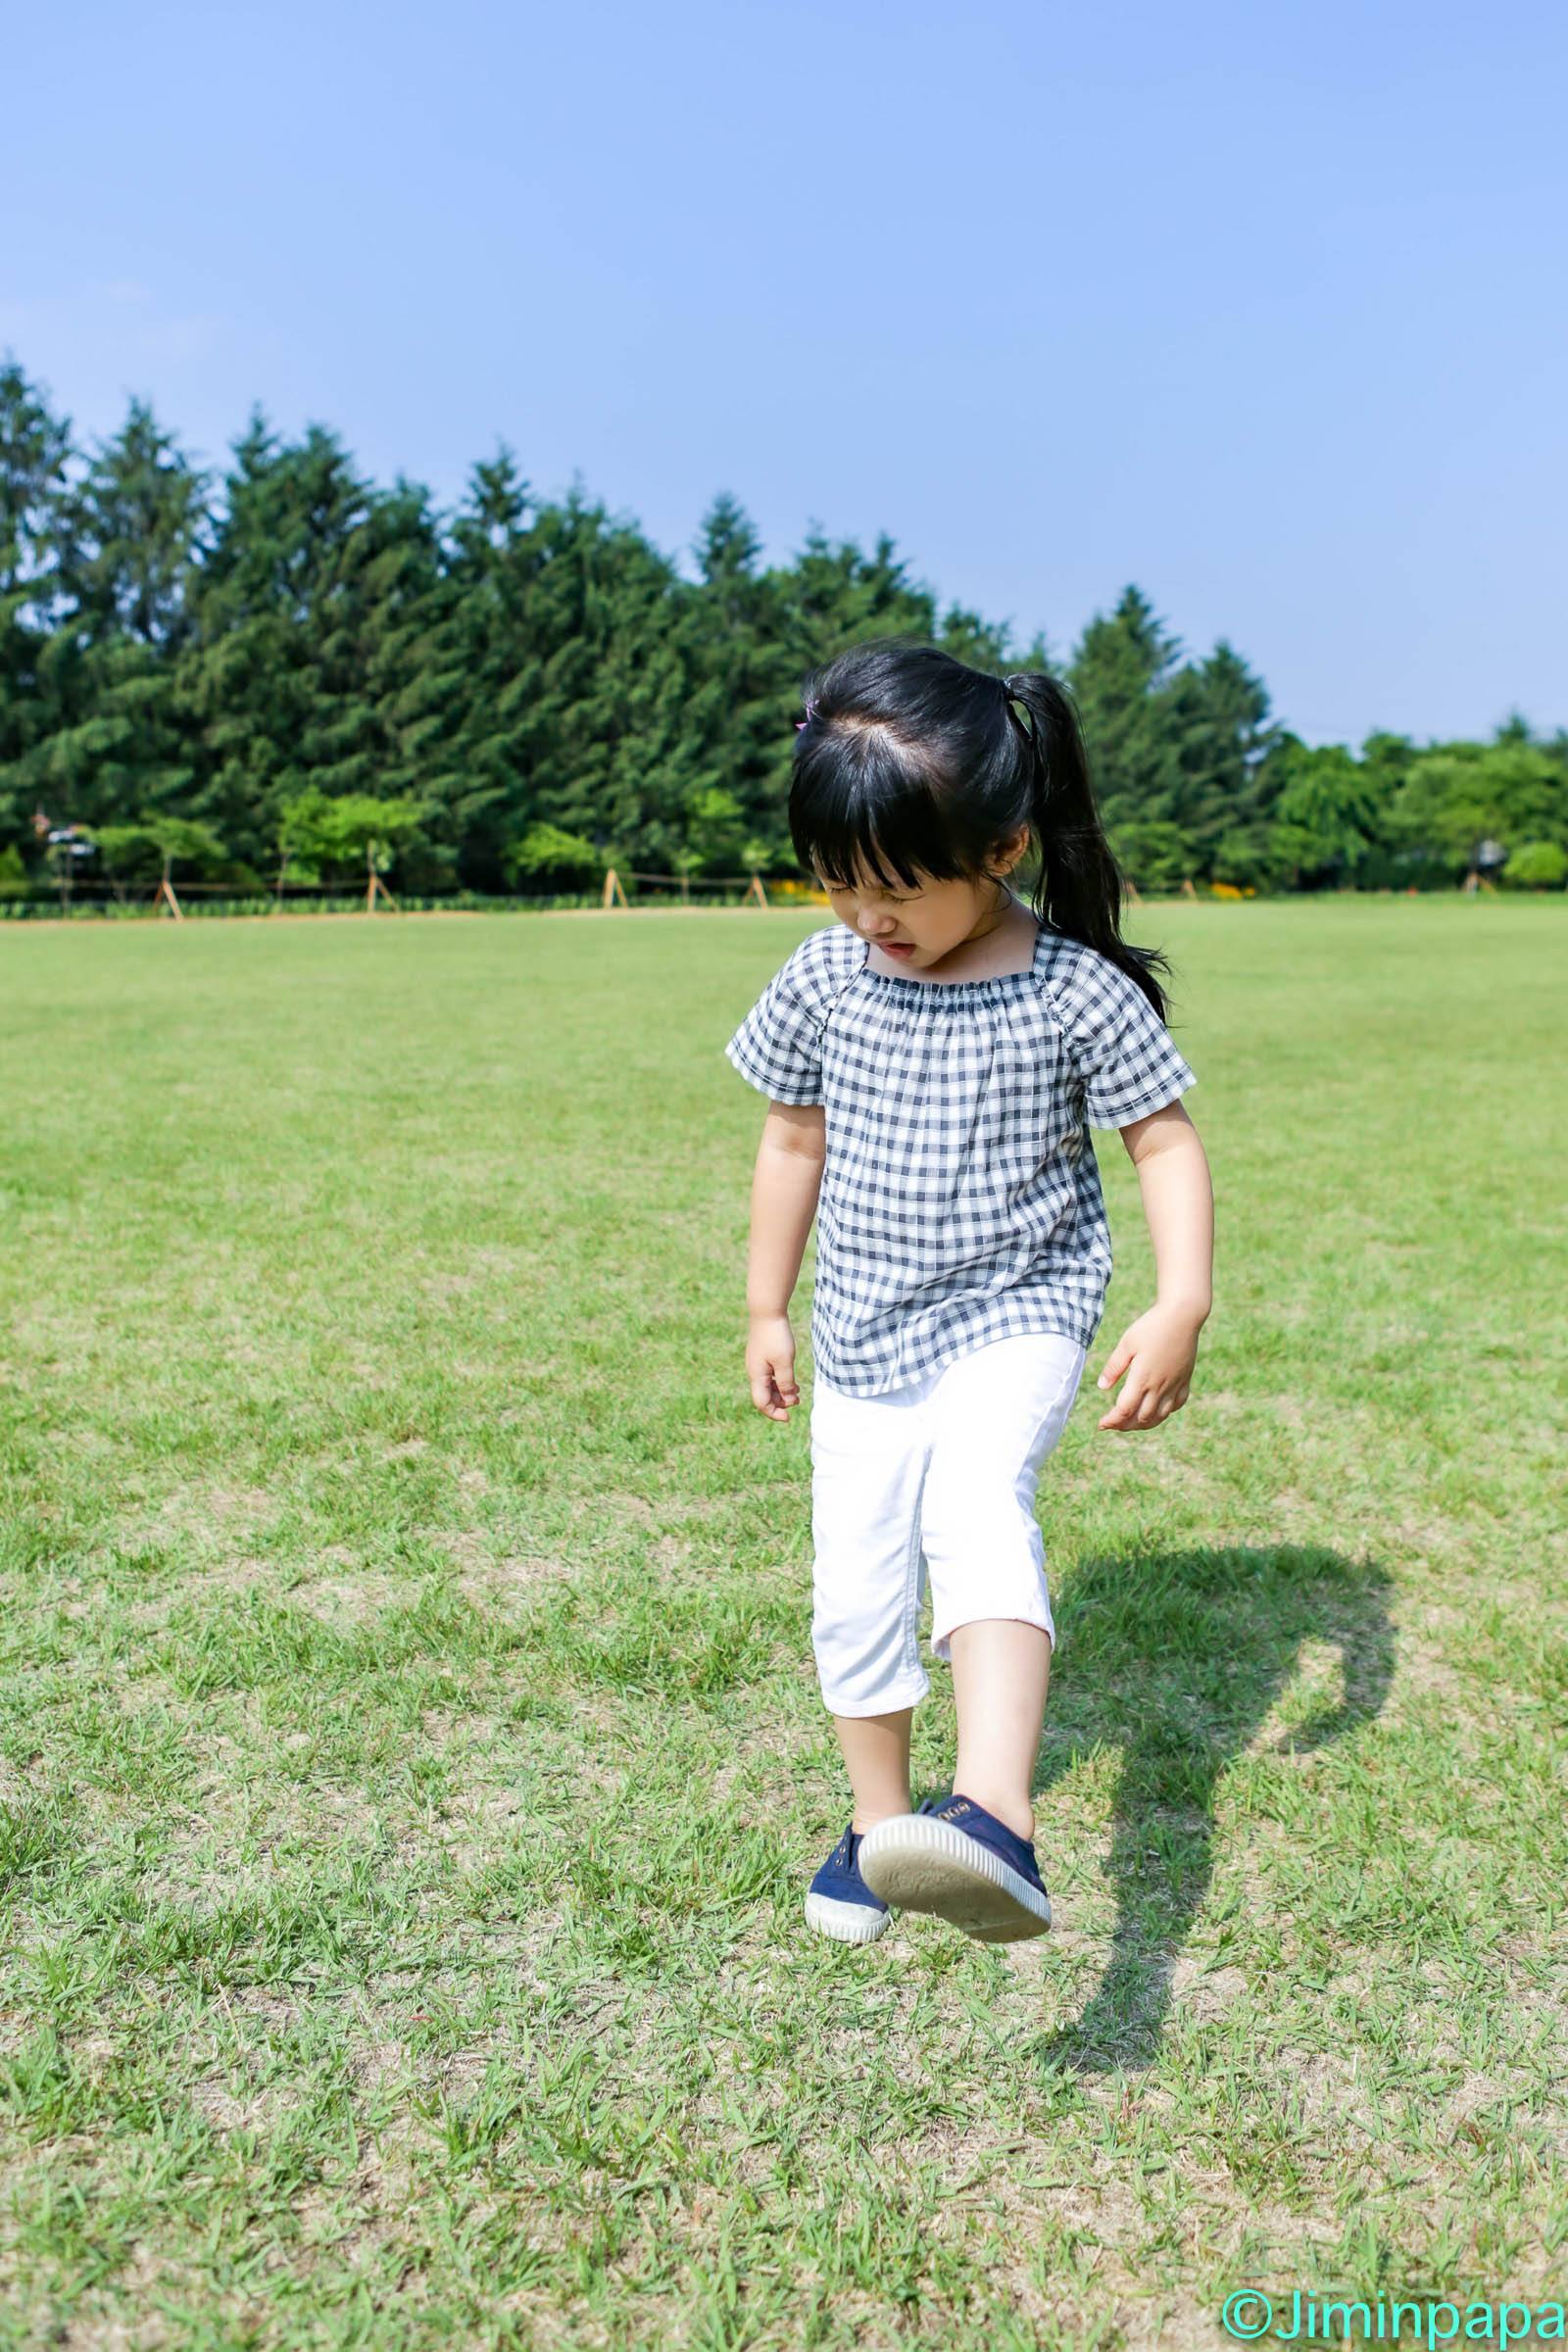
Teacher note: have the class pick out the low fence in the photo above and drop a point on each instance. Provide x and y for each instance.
(186, 901)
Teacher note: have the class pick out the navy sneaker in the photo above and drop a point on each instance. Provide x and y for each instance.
(839, 1902)
(955, 1858)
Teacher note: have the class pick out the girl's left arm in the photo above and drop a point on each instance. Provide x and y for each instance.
(1157, 1353)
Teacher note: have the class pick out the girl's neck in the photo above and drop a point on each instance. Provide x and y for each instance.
(1002, 941)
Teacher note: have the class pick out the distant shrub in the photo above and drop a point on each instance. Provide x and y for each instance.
(552, 859)
(1153, 854)
(1536, 866)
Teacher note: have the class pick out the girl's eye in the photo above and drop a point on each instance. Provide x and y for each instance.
(884, 897)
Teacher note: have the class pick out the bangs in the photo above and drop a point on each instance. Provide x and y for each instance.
(864, 811)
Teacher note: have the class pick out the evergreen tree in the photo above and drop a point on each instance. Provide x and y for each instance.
(986, 643)
(605, 722)
(113, 735)
(35, 456)
(310, 619)
(470, 705)
(1218, 713)
(745, 690)
(248, 669)
(1119, 675)
(835, 595)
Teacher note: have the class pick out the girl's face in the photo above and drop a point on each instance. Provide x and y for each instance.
(919, 928)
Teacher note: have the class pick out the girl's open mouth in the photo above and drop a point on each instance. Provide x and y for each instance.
(898, 947)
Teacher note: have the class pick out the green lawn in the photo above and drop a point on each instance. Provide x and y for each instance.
(410, 1758)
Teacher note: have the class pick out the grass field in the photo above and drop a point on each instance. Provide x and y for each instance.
(410, 1758)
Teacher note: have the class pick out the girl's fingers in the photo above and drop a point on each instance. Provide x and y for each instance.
(1116, 1364)
(774, 1390)
(1123, 1412)
(1145, 1403)
(1169, 1401)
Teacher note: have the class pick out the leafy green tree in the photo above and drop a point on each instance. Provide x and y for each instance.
(344, 830)
(1536, 865)
(1152, 852)
(548, 859)
(717, 839)
(1456, 798)
(1326, 812)
(152, 845)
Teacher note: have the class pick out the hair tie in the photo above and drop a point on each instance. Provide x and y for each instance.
(810, 714)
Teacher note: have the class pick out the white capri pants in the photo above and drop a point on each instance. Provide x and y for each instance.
(935, 1479)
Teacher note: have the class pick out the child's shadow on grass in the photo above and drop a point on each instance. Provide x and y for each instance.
(1177, 1659)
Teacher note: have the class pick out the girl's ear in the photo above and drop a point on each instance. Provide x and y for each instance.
(1006, 853)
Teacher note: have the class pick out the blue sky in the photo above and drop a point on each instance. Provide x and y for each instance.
(1262, 306)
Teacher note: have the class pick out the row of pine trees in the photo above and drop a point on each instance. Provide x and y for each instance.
(536, 692)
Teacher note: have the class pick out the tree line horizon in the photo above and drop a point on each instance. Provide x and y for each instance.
(309, 670)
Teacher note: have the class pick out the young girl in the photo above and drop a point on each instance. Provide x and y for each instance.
(933, 1063)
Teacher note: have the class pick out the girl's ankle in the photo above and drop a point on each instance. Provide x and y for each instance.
(1016, 1817)
(866, 1817)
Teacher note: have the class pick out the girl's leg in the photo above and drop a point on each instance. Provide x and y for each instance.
(876, 1757)
(996, 1416)
(868, 1467)
(1000, 1674)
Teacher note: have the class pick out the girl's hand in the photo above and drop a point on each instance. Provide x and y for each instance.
(770, 1367)
(1158, 1353)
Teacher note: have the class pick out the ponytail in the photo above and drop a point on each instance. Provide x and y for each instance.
(1079, 887)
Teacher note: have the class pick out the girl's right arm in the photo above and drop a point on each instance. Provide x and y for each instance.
(784, 1189)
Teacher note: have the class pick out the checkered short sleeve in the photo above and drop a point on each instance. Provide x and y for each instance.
(1120, 1050)
(778, 1046)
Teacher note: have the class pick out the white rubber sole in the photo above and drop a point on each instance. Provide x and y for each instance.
(918, 1864)
(846, 1923)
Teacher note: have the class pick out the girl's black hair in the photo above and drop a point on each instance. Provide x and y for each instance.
(911, 763)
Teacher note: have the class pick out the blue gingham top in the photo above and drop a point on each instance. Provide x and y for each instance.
(960, 1203)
